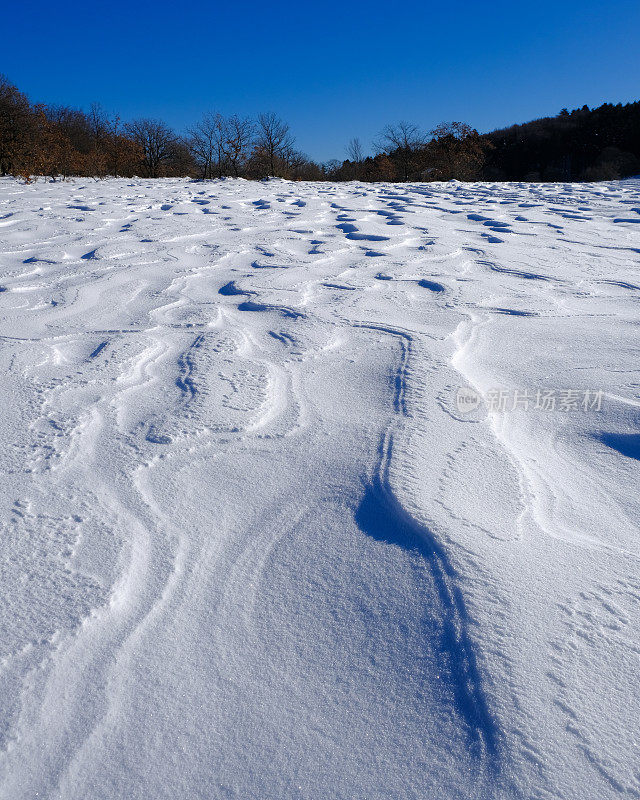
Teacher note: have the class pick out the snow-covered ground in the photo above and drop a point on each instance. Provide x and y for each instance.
(275, 523)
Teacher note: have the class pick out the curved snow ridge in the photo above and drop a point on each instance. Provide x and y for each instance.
(553, 508)
(67, 709)
(399, 378)
(146, 589)
(381, 516)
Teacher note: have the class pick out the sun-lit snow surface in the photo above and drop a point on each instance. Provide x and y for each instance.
(250, 546)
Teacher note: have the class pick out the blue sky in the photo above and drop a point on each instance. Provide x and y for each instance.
(332, 69)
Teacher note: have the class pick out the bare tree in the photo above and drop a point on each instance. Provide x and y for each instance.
(355, 155)
(354, 151)
(237, 141)
(403, 135)
(218, 132)
(157, 142)
(208, 143)
(274, 140)
(203, 141)
(402, 141)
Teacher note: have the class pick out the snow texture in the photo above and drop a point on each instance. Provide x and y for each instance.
(251, 545)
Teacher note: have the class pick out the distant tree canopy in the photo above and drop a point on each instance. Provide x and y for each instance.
(585, 144)
(580, 145)
(59, 141)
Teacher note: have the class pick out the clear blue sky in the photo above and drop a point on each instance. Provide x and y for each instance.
(332, 69)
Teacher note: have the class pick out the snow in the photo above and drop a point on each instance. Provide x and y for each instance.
(255, 545)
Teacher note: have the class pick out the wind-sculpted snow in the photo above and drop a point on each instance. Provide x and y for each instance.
(319, 491)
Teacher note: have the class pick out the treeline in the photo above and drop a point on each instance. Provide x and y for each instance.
(585, 144)
(59, 141)
(404, 153)
(581, 145)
